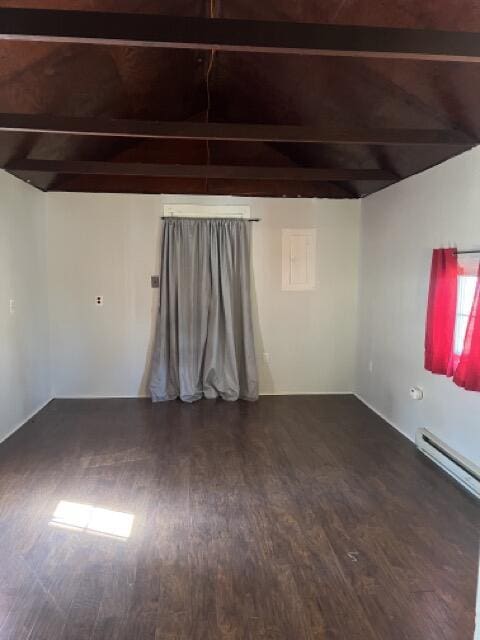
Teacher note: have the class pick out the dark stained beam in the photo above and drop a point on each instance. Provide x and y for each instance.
(288, 152)
(88, 167)
(40, 123)
(236, 35)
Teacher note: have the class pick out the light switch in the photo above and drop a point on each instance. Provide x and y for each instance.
(12, 306)
(155, 281)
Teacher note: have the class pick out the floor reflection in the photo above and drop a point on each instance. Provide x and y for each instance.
(91, 519)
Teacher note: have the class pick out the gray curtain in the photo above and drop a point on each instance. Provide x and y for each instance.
(204, 341)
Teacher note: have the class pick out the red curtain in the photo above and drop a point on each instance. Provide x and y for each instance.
(442, 305)
(467, 373)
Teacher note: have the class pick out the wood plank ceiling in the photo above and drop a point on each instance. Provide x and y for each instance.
(338, 126)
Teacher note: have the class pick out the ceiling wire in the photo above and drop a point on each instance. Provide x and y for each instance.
(213, 14)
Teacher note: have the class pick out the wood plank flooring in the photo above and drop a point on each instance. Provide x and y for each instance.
(294, 518)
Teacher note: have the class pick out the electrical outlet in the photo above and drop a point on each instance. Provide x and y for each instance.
(11, 307)
(99, 301)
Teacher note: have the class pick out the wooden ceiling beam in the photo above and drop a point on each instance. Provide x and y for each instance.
(88, 167)
(43, 123)
(140, 30)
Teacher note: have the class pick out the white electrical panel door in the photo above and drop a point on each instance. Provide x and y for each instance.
(298, 259)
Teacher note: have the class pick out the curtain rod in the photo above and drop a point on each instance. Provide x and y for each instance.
(216, 218)
(468, 251)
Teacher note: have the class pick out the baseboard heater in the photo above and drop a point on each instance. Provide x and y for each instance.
(464, 471)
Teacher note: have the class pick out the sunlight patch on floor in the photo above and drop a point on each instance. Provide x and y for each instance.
(91, 519)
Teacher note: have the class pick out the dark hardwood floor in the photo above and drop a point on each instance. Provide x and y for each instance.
(292, 518)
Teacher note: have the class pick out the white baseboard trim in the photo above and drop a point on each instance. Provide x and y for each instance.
(307, 393)
(25, 420)
(383, 417)
(97, 396)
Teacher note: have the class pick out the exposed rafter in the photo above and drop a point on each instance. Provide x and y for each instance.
(86, 167)
(42, 123)
(237, 35)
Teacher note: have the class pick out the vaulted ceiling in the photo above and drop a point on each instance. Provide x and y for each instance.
(188, 85)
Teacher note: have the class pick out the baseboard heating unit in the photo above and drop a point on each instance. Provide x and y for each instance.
(463, 470)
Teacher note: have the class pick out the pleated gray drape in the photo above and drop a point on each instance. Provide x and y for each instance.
(204, 341)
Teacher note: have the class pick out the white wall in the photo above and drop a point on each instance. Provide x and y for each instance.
(109, 245)
(24, 336)
(400, 227)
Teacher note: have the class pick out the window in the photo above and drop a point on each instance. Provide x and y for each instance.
(452, 333)
(465, 295)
